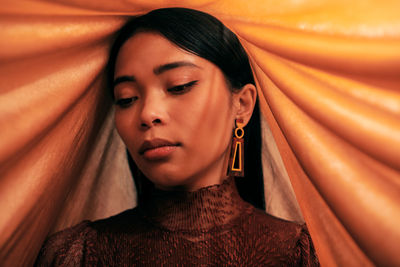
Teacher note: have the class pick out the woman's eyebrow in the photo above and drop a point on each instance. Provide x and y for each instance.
(158, 70)
(169, 66)
(122, 79)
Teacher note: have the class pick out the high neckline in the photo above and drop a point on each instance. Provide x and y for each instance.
(200, 211)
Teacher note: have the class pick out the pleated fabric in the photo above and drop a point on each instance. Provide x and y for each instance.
(328, 78)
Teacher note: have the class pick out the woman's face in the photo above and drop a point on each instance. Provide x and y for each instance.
(174, 112)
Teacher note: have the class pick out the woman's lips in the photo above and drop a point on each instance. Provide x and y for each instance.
(159, 152)
(157, 149)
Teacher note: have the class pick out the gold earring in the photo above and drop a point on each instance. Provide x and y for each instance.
(236, 159)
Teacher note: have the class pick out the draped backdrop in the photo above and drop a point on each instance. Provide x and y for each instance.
(328, 77)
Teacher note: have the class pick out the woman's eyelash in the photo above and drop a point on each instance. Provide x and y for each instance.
(179, 89)
(125, 102)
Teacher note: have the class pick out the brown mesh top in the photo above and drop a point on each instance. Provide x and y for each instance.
(209, 227)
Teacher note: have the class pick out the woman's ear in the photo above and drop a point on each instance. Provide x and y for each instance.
(244, 102)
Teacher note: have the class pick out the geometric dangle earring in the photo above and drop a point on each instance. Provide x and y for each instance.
(236, 159)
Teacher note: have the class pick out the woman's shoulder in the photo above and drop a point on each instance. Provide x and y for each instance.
(65, 247)
(284, 238)
(270, 223)
(73, 245)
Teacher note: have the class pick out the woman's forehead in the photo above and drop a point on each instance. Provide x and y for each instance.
(147, 51)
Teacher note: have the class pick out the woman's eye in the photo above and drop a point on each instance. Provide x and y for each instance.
(125, 102)
(183, 88)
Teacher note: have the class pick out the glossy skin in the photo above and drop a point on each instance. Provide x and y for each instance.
(188, 105)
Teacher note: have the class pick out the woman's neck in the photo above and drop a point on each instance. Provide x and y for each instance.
(200, 210)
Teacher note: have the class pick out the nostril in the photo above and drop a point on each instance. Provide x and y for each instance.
(148, 125)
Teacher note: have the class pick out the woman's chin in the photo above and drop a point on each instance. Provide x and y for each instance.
(166, 177)
(169, 183)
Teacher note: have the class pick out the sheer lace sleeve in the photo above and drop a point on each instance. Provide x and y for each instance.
(66, 248)
(305, 249)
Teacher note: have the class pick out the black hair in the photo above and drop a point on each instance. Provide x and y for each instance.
(205, 36)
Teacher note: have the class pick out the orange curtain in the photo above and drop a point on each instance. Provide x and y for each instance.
(328, 74)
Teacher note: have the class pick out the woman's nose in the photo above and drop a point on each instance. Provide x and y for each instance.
(152, 112)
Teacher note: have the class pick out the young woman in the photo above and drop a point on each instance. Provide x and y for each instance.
(185, 97)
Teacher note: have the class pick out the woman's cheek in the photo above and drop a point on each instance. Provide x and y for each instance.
(124, 126)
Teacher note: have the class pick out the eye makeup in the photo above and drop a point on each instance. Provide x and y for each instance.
(182, 88)
(125, 102)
